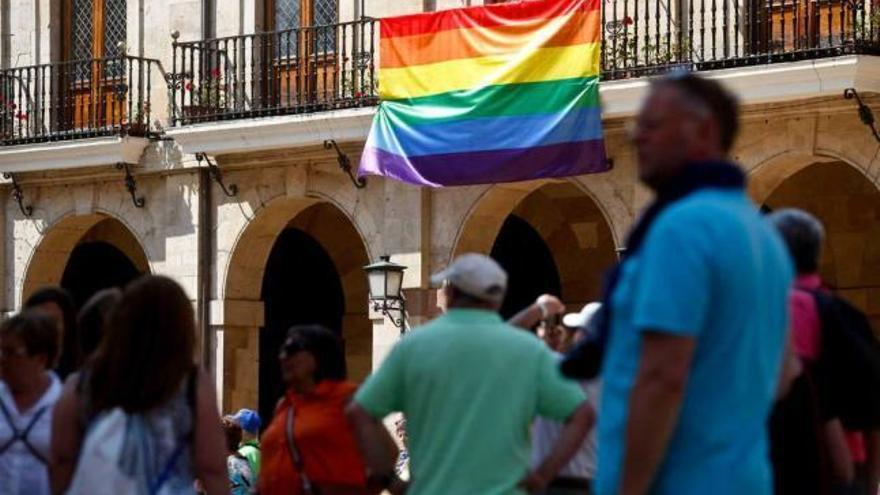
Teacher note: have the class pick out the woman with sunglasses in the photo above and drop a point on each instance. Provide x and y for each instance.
(310, 448)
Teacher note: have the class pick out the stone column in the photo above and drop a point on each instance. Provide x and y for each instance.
(236, 325)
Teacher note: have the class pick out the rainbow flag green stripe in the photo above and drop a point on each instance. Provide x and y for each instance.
(500, 100)
(489, 94)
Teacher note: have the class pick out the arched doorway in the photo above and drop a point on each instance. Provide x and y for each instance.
(529, 263)
(848, 205)
(84, 254)
(550, 238)
(300, 286)
(94, 266)
(299, 261)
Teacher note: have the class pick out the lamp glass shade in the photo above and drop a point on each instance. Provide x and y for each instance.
(376, 281)
(393, 284)
(385, 279)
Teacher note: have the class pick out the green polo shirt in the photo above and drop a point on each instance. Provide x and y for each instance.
(469, 386)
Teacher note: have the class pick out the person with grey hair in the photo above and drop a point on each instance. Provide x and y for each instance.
(802, 455)
(803, 235)
(470, 386)
(694, 317)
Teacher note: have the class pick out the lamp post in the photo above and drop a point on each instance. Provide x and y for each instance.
(385, 280)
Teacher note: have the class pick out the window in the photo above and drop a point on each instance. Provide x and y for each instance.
(94, 30)
(293, 14)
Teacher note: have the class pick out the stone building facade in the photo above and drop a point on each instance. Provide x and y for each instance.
(290, 243)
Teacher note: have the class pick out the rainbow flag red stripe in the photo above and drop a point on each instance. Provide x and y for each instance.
(489, 94)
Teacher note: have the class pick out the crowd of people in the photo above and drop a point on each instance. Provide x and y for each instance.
(715, 363)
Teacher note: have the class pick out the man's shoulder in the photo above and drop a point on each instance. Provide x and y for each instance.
(500, 333)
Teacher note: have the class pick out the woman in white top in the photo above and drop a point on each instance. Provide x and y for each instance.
(28, 392)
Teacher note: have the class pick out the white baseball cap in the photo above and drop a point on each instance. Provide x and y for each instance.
(581, 319)
(476, 275)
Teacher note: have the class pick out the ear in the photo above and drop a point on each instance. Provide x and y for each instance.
(710, 132)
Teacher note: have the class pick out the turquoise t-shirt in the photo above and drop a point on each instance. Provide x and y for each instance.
(713, 269)
(469, 385)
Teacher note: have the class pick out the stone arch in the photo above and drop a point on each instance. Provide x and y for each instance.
(49, 259)
(767, 175)
(572, 222)
(243, 307)
(847, 201)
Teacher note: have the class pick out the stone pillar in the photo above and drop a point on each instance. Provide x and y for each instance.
(236, 325)
(181, 231)
(406, 238)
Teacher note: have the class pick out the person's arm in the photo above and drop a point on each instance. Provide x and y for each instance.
(872, 462)
(791, 368)
(569, 441)
(380, 395)
(66, 437)
(532, 314)
(842, 467)
(655, 402)
(378, 449)
(209, 444)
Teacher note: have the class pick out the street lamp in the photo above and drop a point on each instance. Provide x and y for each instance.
(385, 280)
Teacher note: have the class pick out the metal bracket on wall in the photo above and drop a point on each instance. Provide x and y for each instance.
(345, 164)
(131, 185)
(18, 195)
(216, 174)
(865, 113)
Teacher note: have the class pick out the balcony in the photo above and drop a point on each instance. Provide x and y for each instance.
(643, 37)
(286, 72)
(78, 99)
(318, 83)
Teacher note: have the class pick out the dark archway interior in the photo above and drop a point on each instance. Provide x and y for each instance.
(300, 286)
(530, 267)
(94, 266)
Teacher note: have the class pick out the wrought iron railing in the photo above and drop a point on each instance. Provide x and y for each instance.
(283, 72)
(645, 37)
(79, 99)
(334, 66)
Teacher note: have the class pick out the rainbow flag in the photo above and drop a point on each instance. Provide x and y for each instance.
(489, 94)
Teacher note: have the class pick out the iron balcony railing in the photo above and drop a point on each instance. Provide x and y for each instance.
(291, 71)
(646, 37)
(78, 99)
(335, 66)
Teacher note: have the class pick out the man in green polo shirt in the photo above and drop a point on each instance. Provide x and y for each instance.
(470, 386)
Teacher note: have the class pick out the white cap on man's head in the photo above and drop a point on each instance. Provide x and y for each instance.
(476, 275)
(581, 319)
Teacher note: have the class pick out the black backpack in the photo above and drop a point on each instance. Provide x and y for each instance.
(849, 363)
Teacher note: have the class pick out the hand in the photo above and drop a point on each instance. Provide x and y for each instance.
(398, 487)
(534, 482)
(551, 304)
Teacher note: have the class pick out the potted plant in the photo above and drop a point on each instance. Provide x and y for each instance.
(207, 97)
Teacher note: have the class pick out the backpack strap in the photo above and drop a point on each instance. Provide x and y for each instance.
(295, 455)
(185, 440)
(22, 435)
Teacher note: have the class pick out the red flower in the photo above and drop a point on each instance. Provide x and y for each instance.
(188, 86)
(627, 21)
(215, 73)
(11, 105)
(358, 94)
(21, 116)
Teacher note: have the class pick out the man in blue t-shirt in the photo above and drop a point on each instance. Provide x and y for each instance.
(697, 320)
